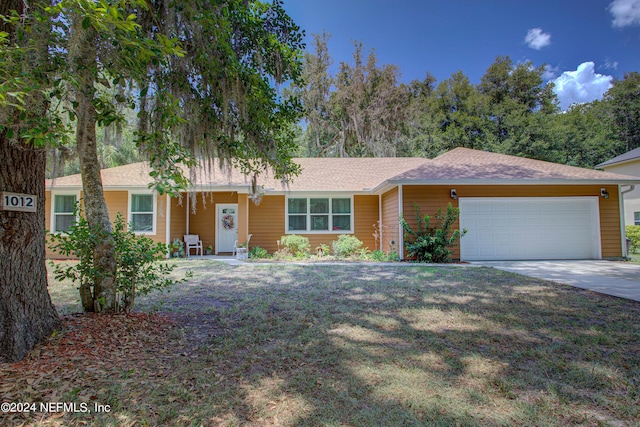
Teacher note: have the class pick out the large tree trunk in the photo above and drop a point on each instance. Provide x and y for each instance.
(82, 55)
(27, 315)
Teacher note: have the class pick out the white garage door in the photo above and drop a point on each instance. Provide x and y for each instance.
(530, 228)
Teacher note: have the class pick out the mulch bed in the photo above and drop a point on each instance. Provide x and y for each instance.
(81, 361)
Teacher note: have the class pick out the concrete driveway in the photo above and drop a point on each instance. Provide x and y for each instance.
(607, 277)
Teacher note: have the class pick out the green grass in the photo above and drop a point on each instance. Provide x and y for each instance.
(362, 345)
(635, 258)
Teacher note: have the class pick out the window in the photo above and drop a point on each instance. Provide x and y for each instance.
(636, 218)
(297, 214)
(319, 214)
(63, 212)
(142, 213)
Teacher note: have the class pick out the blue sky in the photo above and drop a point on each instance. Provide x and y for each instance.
(585, 43)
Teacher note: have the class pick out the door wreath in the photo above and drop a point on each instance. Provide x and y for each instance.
(227, 222)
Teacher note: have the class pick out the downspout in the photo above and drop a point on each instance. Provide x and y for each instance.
(623, 231)
(400, 230)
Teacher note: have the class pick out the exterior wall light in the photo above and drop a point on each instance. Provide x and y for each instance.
(454, 194)
(604, 193)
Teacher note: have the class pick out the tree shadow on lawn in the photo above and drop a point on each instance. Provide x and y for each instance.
(368, 345)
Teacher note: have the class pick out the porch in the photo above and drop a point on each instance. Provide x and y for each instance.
(218, 218)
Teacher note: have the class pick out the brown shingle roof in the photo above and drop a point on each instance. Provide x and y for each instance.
(464, 164)
(362, 174)
(318, 174)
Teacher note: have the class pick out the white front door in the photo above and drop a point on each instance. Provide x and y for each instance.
(226, 227)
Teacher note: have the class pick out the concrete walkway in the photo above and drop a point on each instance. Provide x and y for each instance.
(619, 279)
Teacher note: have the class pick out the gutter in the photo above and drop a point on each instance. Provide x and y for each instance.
(389, 184)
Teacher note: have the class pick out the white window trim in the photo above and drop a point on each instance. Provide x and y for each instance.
(155, 211)
(636, 218)
(52, 219)
(308, 215)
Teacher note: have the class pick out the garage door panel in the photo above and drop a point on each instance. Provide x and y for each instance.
(529, 228)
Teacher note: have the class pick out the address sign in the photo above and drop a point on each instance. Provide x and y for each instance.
(18, 202)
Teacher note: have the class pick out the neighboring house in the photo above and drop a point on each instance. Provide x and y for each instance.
(627, 164)
(512, 207)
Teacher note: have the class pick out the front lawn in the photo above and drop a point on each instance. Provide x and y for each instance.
(342, 345)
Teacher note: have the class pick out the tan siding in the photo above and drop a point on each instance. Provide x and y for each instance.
(390, 215)
(161, 220)
(631, 198)
(366, 214)
(266, 222)
(117, 201)
(47, 210)
(178, 218)
(430, 198)
(243, 217)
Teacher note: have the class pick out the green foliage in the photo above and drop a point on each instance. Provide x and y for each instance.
(258, 253)
(633, 234)
(139, 270)
(381, 256)
(347, 245)
(393, 256)
(512, 111)
(176, 248)
(624, 108)
(432, 243)
(295, 245)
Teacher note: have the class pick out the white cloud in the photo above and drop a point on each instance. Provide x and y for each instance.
(550, 72)
(609, 65)
(536, 39)
(581, 85)
(625, 12)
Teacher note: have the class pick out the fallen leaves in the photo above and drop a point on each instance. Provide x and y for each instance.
(92, 354)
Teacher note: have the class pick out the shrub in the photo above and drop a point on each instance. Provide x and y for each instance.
(347, 245)
(379, 256)
(633, 234)
(138, 270)
(177, 248)
(429, 243)
(258, 252)
(393, 256)
(295, 245)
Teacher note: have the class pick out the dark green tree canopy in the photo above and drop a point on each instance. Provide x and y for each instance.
(512, 110)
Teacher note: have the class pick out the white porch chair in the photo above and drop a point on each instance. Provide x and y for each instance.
(192, 241)
(241, 252)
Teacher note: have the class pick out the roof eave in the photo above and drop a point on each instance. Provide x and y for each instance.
(618, 163)
(508, 181)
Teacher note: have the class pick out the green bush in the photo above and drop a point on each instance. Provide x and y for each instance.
(633, 234)
(347, 245)
(393, 256)
(295, 245)
(429, 243)
(378, 256)
(138, 268)
(258, 253)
